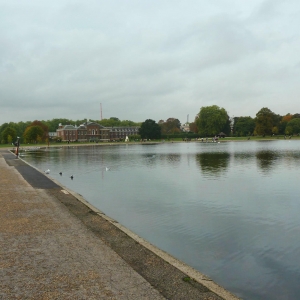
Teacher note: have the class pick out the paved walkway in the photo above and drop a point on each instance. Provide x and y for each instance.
(53, 247)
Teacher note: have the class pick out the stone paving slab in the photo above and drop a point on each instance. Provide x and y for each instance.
(52, 246)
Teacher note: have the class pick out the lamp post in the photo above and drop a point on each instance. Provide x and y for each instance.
(17, 144)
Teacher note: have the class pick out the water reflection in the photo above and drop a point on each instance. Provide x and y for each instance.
(170, 159)
(213, 163)
(266, 160)
(244, 157)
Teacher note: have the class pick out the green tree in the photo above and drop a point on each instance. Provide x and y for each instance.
(129, 123)
(44, 127)
(293, 126)
(150, 130)
(283, 122)
(2, 128)
(115, 119)
(288, 130)
(212, 120)
(134, 137)
(33, 133)
(296, 116)
(244, 126)
(53, 124)
(9, 139)
(112, 122)
(275, 130)
(8, 135)
(264, 122)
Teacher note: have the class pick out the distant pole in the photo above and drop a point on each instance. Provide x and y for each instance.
(101, 111)
(187, 120)
(17, 144)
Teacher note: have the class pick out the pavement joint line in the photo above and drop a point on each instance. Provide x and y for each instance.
(188, 270)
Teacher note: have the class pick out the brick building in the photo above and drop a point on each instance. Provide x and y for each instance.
(120, 133)
(92, 131)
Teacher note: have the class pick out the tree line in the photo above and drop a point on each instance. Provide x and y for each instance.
(38, 131)
(210, 121)
(215, 121)
(267, 122)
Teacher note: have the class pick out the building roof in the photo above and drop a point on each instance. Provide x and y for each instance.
(69, 127)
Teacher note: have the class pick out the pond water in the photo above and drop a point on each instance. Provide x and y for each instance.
(229, 209)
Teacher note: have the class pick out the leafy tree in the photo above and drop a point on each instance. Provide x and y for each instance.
(244, 126)
(44, 127)
(150, 130)
(112, 122)
(115, 122)
(134, 137)
(288, 130)
(265, 121)
(115, 119)
(9, 139)
(8, 135)
(212, 120)
(129, 123)
(19, 129)
(2, 128)
(283, 122)
(171, 126)
(294, 126)
(33, 133)
(275, 130)
(193, 127)
(53, 124)
(287, 118)
(296, 116)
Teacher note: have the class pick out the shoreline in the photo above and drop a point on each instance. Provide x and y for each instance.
(75, 144)
(136, 251)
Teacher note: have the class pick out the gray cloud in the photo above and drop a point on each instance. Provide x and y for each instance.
(147, 59)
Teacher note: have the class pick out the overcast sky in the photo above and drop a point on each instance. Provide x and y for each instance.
(147, 59)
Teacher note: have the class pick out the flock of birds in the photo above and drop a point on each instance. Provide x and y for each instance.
(60, 173)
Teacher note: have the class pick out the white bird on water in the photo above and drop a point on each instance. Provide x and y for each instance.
(47, 171)
(107, 169)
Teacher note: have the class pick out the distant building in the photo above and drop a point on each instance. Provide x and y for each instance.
(67, 132)
(92, 131)
(185, 127)
(120, 133)
(52, 134)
